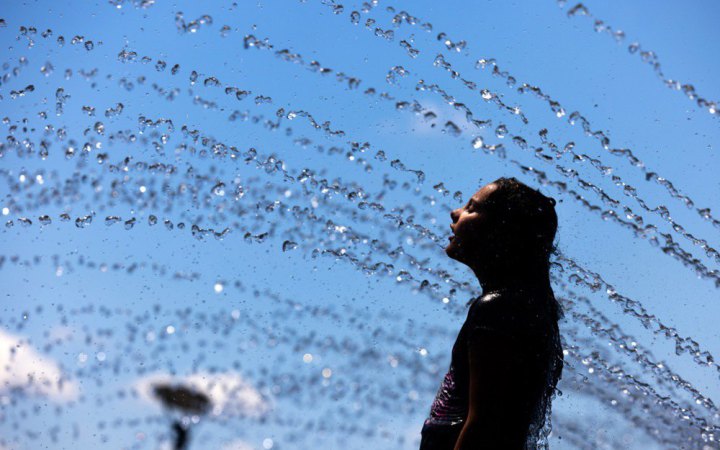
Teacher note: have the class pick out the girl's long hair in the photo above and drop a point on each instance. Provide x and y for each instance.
(527, 227)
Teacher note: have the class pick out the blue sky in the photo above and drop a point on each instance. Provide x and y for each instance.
(407, 333)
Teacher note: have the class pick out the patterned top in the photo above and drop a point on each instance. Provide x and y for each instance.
(510, 313)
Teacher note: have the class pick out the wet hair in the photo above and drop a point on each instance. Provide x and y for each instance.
(525, 224)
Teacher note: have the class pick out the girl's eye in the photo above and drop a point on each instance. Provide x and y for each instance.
(474, 207)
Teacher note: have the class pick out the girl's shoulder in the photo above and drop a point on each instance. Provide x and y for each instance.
(509, 311)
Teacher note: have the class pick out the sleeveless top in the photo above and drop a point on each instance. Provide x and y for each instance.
(520, 321)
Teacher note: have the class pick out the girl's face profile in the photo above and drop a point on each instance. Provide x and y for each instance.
(468, 224)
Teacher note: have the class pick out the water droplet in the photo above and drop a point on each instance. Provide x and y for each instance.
(289, 245)
(110, 220)
(452, 129)
(83, 222)
(210, 81)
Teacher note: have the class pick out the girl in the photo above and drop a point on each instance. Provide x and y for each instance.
(507, 358)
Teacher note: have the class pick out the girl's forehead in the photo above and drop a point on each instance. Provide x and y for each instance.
(484, 192)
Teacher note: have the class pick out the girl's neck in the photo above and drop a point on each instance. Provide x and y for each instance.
(511, 281)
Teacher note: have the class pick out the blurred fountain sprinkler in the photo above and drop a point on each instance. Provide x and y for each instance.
(189, 403)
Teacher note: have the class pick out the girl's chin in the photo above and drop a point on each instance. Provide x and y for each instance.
(451, 250)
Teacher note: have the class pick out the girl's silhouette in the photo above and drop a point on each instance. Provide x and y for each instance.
(507, 358)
